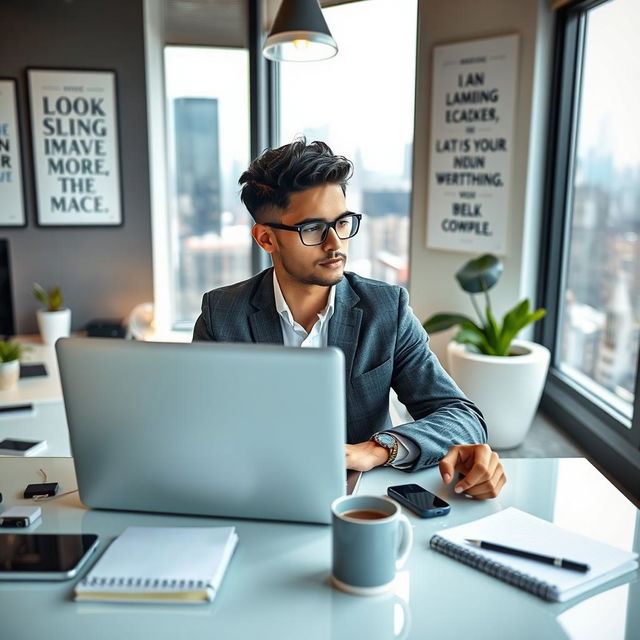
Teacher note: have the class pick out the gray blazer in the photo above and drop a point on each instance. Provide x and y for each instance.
(384, 346)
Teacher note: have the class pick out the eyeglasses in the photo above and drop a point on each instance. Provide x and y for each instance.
(314, 233)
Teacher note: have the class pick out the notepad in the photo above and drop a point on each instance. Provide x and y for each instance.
(161, 564)
(515, 528)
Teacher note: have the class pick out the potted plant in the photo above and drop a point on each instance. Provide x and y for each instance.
(502, 375)
(54, 321)
(10, 353)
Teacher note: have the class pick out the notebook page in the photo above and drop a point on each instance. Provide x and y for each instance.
(166, 553)
(514, 528)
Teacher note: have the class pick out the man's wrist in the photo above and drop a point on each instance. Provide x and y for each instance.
(381, 453)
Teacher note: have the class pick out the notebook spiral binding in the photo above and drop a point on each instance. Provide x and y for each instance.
(145, 583)
(506, 574)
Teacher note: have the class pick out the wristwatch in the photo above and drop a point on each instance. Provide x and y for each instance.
(389, 442)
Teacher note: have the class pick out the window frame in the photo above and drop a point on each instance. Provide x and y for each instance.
(263, 104)
(603, 433)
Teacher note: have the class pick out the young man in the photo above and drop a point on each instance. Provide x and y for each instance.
(296, 195)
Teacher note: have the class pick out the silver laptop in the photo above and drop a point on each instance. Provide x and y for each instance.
(233, 430)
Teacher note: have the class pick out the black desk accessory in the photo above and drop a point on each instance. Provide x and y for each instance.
(105, 328)
(41, 489)
(32, 370)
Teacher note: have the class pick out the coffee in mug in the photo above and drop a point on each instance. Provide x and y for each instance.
(365, 514)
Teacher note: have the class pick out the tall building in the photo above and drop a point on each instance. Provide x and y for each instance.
(614, 356)
(197, 147)
(582, 330)
(387, 213)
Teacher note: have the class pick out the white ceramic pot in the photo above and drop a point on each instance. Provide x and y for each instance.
(506, 389)
(54, 325)
(9, 374)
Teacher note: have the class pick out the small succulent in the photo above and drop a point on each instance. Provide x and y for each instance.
(10, 351)
(487, 336)
(51, 299)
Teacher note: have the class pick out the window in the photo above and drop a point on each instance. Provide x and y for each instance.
(592, 284)
(207, 93)
(600, 312)
(361, 103)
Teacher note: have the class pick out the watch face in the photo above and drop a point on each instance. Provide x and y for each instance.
(385, 440)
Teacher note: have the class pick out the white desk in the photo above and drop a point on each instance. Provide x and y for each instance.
(277, 583)
(46, 420)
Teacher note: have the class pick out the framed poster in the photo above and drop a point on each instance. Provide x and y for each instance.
(471, 144)
(11, 185)
(74, 132)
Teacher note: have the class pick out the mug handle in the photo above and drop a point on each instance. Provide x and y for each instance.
(406, 541)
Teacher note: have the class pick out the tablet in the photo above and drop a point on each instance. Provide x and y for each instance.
(44, 556)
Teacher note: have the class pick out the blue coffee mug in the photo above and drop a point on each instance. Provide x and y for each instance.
(372, 539)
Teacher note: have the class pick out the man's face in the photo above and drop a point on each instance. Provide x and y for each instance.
(322, 264)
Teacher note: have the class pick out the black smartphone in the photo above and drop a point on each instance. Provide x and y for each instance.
(419, 500)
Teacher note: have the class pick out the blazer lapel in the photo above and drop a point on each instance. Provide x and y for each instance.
(344, 326)
(264, 321)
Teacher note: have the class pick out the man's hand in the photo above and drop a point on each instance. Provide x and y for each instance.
(365, 456)
(484, 473)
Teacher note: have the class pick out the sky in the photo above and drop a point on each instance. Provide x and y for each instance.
(204, 72)
(367, 91)
(609, 119)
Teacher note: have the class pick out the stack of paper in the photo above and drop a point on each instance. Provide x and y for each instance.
(161, 564)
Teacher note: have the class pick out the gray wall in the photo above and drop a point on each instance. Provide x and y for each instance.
(103, 272)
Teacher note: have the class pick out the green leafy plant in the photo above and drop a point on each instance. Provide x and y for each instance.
(51, 298)
(486, 336)
(10, 351)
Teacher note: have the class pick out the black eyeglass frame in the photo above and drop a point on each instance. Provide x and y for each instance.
(327, 226)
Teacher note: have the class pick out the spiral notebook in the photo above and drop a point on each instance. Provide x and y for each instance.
(161, 564)
(514, 528)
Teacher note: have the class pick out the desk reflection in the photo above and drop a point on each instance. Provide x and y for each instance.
(383, 617)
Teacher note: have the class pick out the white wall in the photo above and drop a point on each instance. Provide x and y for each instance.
(432, 284)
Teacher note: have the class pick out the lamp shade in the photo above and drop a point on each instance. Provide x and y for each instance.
(299, 34)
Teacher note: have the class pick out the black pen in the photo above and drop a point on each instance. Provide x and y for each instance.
(556, 562)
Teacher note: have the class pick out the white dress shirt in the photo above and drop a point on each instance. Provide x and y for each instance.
(295, 335)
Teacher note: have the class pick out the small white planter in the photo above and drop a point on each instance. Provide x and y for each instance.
(9, 374)
(506, 389)
(54, 325)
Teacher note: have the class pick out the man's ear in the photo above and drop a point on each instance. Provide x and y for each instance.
(264, 237)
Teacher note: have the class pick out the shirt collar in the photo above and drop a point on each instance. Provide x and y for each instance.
(283, 308)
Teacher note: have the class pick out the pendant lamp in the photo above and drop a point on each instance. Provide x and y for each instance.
(299, 34)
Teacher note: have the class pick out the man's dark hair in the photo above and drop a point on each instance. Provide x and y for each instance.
(277, 173)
